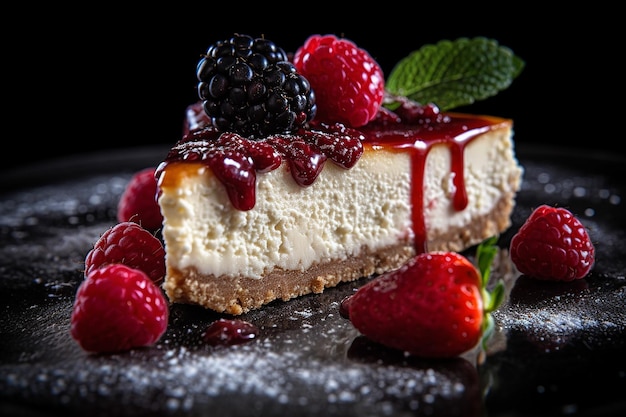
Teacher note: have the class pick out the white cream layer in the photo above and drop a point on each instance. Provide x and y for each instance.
(490, 171)
(293, 227)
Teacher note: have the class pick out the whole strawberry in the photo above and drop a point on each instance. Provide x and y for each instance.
(118, 308)
(553, 245)
(129, 244)
(349, 84)
(138, 201)
(435, 306)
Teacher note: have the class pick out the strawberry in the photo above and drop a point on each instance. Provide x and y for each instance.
(435, 306)
(129, 244)
(553, 245)
(118, 308)
(349, 84)
(138, 201)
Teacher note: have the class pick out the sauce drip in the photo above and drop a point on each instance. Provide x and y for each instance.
(456, 131)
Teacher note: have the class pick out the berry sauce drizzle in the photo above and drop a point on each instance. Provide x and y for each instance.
(235, 160)
(415, 129)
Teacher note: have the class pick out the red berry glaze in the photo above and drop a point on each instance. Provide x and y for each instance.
(552, 245)
(235, 160)
(118, 308)
(349, 84)
(129, 244)
(431, 307)
(138, 201)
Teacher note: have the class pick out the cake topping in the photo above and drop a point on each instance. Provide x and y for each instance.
(349, 84)
(453, 73)
(235, 160)
(249, 87)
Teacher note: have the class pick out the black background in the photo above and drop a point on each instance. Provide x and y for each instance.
(109, 78)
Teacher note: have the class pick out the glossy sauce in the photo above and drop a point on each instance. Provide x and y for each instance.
(455, 132)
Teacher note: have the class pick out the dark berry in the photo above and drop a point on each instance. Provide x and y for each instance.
(249, 87)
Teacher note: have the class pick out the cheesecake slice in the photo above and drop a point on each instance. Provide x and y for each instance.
(248, 222)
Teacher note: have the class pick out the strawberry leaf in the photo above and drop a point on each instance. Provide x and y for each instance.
(487, 330)
(496, 296)
(454, 73)
(485, 253)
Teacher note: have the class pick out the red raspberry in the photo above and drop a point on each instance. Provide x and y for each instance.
(138, 201)
(349, 84)
(129, 244)
(552, 245)
(118, 308)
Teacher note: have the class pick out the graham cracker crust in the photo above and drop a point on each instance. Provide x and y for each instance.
(236, 295)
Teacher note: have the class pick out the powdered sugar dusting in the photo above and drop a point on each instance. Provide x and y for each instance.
(313, 364)
(184, 380)
(560, 313)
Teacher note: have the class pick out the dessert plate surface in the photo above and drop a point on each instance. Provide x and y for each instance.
(558, 349)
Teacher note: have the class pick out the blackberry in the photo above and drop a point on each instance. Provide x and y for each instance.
(249, 87)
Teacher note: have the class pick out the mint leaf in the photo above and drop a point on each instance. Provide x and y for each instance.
(454, 73)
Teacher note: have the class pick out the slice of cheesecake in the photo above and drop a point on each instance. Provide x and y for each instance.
(249, 222)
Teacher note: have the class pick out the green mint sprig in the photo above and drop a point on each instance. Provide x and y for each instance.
(454, 73)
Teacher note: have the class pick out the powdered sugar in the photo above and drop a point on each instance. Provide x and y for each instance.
(272, 374)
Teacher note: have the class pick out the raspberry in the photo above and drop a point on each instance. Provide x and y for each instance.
(118, 308)
(349, 84)
(138, 201)
(552, 244)
(249, 87)
(129, 244)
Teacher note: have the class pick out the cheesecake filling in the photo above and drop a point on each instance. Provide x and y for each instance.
(373, 205)
(291, 227)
